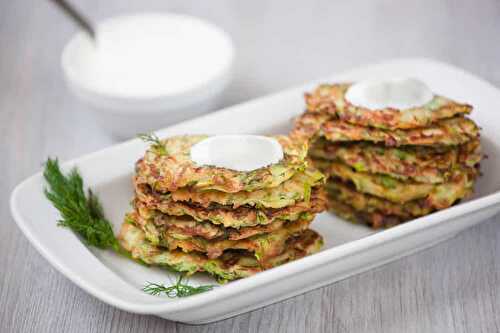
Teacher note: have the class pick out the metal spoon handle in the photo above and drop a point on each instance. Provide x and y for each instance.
(77, 17)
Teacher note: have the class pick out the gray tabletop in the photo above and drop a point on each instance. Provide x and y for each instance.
(453, 287)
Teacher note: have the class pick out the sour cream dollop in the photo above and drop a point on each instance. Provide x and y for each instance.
(400, 93)
(237, 152)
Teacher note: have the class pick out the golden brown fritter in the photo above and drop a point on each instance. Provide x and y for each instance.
(171, 168)
(375, 220)
(296, 189)
(420, 164)
(230, 266)
(347, 193)
(157, 224)
(228, 217)
(263, 245)
(452, 131)
(438, 196)
(330, 98)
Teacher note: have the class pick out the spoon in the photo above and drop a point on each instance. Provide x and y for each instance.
(77, 17)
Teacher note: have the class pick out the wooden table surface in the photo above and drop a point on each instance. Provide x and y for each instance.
(453, 287)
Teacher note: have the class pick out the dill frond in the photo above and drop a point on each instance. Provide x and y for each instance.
(155, 142)
(82, 214)
(179, 289)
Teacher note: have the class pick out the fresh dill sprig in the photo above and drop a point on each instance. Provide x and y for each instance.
(82, 214)
(154, 140)
(179, 289)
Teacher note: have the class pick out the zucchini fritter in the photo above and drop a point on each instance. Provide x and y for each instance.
(172, 168)
(228, 223)
(157, 224)
(296, 189)
(330, 98)
(264, 245)
(374, 219)
(184, 226)
(387, 166)
(243, 216)
(447, 132)
(438, 196)
(420, 164)
(347, 193)
(230, 266)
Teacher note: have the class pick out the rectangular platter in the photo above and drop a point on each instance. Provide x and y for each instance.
(349, 249)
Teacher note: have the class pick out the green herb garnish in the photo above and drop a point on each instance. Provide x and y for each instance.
(84, 215)
(156, 144)
(179, 289)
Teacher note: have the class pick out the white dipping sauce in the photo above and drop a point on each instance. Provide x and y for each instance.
(402, 93)
(237, 152)
(150, 55)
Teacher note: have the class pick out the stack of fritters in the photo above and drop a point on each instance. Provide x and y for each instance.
(228, 223)
(388, 166)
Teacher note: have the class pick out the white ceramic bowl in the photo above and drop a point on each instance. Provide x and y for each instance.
(125, 114)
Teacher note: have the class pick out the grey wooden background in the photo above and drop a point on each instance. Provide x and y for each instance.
(453, 287)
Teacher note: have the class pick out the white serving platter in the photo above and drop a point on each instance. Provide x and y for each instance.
(349, 249)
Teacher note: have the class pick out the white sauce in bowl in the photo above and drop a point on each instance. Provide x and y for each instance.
(149, 55)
